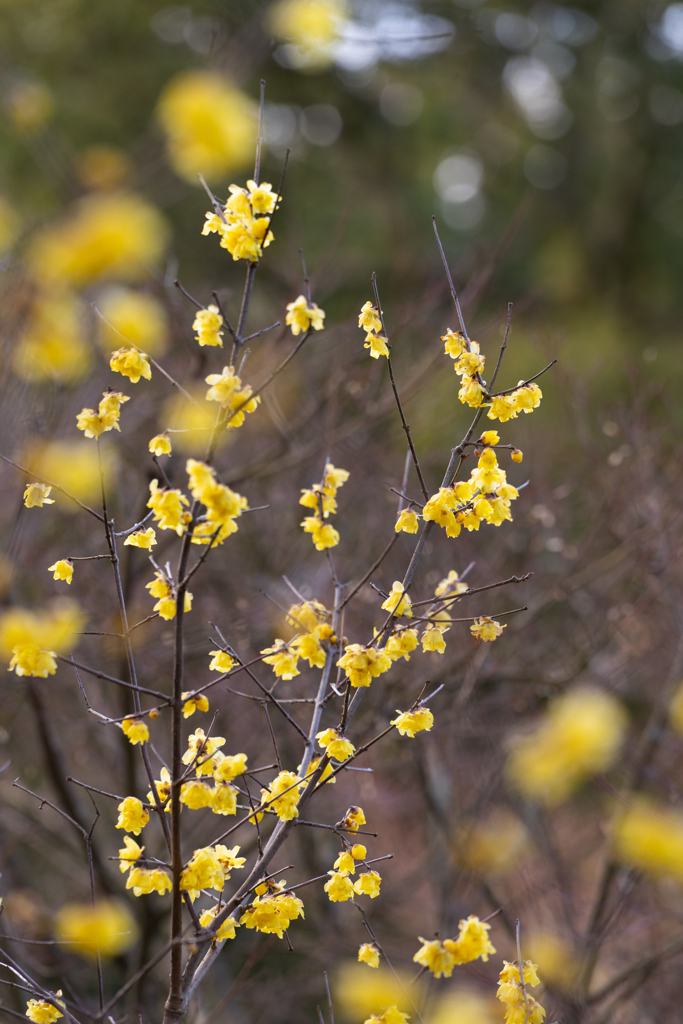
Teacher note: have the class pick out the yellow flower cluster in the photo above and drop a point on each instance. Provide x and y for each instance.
(346, 861)
(337, 746)
(135, 730)
(145, 539)
(519, 1010)
(486, 629)
(207, 323)
(375, 339)
(226, 930)
(311, 26)
(282, 795)
(273, 910)
(472, 943)
(244, 230)
(392, 1015)
(194, 702)
(164, 589)
(284, 656)
(223, 506)
(524, 398)
(167, 507)
(469, 364)
(33, 639)
(579, 736)
(485, 497)
(416, 720)
(143, 881)
(340, 888)
(107, 929)
(401, 644)
(363, 664)
(354, 818)
(204, 871)
(302, 317)
(323, 498)
(131, 363)
(42, 1012)
(106, 418)
(234, 397)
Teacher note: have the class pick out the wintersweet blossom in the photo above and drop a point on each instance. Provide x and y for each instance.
(432, 639)
(367, 884)
(454, 343)
(196, 794)
(282, 796)
(369, 319)
(323, 534)
(368, 953)
(302, 316)
(435, 957)
(310, 649)
(204, 871)
(132, 815)
(223, 505)
(160, 445)
(439, 509)
(392, 1015)
(194, 702)
(377, 344)
(146, 880)
(62, 570)
(207, 323)
(520, 1006)
(450, 585)
(36, 495)
(337, 746)
(221, 661)
(229, 859)
(227, 389)
(42, 1012)
(135, 730)
(400, 644)
(362, 664)
(162, 588)
(410, 722)
(162, 788)
(339, 887)
(132, 363)
(471, 393)
(283, 658)
(129, 854)
(106, 418)
(345, 864)
(105, 929)
(226, 930)
(486, 629)
(243, 231)
(407, 522)
(354, 818)
(224, 799)
(200, 747)
(273, 910)
(516, 455)
(167, 507)
(398, 602)
(472, 942)
(145, 539)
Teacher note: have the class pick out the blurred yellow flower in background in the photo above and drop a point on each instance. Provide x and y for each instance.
(311, 26)
(138, 318)
(10, 226)
(494, 845)
(52, 345)
(463, 1006)
(554, 956)
(580, 735)
(361, 992)
(194, 421)
(103, 167)
(55, 627)
(108, 928)
(103, 236)
(651, 838)
(29, 106)
(210, 125)
(71, 464)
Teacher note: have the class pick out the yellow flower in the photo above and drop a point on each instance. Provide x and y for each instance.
(510, 993)
(273, 913)
(302, 317)
(162, 788)
(407, 522)
(134, 317)
(146, 880)
(358, 851)
(283, 796)
(167, 505)
(310, 26)
(204, 871)
(226, 930)
(107, 929)
(472, 942)
(651, 839)
(367, 884)
(221, 661)
(63, 570)
(210, 125)
(160, 445)
(132, 815)
(107, 418)
(131, 363)
(439, 510)
(516, 455)
(229, 767)
(194, 702)
(410, 722)
(142, 539)
(309, 648)
(73, 464)
(454, 343)
(196, 794)
(503, 409)
(41, 1012)
(201, 747)
(29, 660)
(362, 664)
(354, 818)
(580, 735)
(36, 495)
(166, 605)
(345, 864)
(486, 629)
(490, 437)
(398, 601)
(135, 730)
(450, 585)
(436, 957)
(224, 799)
(228, 859)
(368, 953)
(471, 393)
(337, 747)
(35, 638)
(369, 319)
(324, 535)
(129, 854)
(377, 344)
(234, 396)
(527, 398)
(399, 645)
(283, 659)
(392, 1015)
(339, 887)
(242, 231)
(53, 344)
(207, 323)
(432, 639)
(105, 236)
